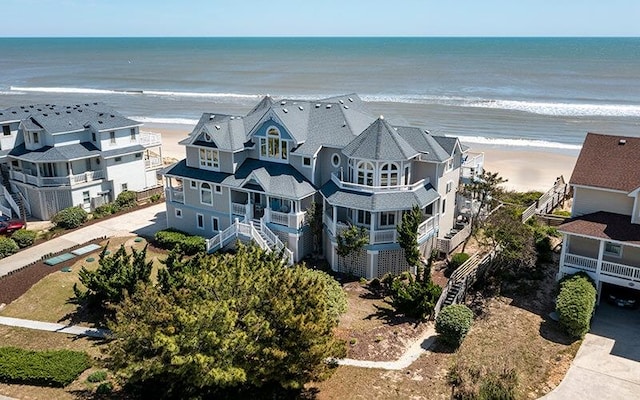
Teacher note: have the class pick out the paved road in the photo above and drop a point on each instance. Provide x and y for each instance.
(143, 222)
(607, 366)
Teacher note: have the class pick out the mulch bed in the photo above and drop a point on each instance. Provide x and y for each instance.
(16, 284)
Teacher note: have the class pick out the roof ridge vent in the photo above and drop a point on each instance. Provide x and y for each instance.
(218, 127)
(622, 142)
(283, 102)
(300, 108)
(341, 101)
(328, 106)
(346, 107)
(350, 99)
(317, 105)
(285, 110)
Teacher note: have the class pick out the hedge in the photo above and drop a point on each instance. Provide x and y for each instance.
(24, 238)
(457, 260)
(126, 199)
(453, 323)
(7, 246)
(70, 218)
(170, 238)
(575, 304)
(45, 368)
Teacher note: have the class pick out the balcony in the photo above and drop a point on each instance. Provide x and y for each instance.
(57, 181)
(291, 220)
(377, 189)
(153, 162)
(380, 236)
(175, 195)
(150, 139)
(607, 268)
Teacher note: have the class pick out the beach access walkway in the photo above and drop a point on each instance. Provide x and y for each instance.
(142, 222)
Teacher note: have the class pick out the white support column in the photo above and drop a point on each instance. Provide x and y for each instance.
(371, 264)
(372, 225)
(599, 264)
(563, 252)
(335, 221)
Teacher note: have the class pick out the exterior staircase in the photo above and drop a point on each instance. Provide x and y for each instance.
(252, 231)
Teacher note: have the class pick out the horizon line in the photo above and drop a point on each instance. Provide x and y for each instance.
(332, 37)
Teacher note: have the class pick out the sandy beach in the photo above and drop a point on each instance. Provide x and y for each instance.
(525, 169)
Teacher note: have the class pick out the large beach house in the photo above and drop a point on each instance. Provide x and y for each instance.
(53, 157)
(603, 236)
(256, 175)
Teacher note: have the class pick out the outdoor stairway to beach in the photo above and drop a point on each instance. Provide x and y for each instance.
(452, 293)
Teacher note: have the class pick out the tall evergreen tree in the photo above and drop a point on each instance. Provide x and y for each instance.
(408, 239)
(480, 192)
(226, 326)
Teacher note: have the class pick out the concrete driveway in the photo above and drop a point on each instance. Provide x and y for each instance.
(607, 365)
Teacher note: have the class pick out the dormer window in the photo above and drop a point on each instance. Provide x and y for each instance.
(6, 130)
(272, 146)
(35, 137)
(207, 137)
(449, 165)
(209, 159)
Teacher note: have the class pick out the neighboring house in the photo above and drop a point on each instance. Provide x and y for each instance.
(53, 157)
(256, 175)
(603, 236)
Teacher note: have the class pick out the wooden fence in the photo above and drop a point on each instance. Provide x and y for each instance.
(147, 193)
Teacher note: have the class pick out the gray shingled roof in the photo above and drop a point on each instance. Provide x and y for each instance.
(276, 179)
(227, 132)
(122, 151)
(374, 202)
(66, 118)
(425, 143)
(380, 141)
(448, 143)
(54, 154)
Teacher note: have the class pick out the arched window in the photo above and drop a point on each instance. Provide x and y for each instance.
(273, 141)
(389, 175)
(206, 195)
(365, 173)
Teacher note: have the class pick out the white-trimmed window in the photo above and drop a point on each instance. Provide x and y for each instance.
(612, 249)
(449, 186)
(387, 219)
(364, 173)
(215, 224)
(112, 137)
(273, 146)
(444, 206)
(86, 198)
(306, 161)
(448, 165)
(124, 187)
(178, 212)
(335, 160)
(389, 175)
(133, 134)
(6, 130)
(217, 188)
(209, 159)
(363, 217)
(194, 184)
(206, 195)
(35, 137)
(200, 221)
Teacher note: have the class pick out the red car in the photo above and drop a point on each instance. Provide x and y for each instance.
(8, 227)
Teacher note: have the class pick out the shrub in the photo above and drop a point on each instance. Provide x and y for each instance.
(453, 323)
(70, 218)
(104, 388)
(155, 197)
(169, 239)
(414, 298)
(7, 246)
(105, 209)
(126, 199)
(575, 304)
(457, 260)
(97, 376)
(498, 387)
(47, 368)
(24, 238)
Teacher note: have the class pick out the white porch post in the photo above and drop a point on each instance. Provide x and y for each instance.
(599, 268)
(335, 220)
(563, 252)
(372, 224)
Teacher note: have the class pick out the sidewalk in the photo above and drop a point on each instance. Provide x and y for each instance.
(52, 327)
(143, 222)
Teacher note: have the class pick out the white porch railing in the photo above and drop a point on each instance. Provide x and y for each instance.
(427, 226)
(175, 195)
(150, 139)
(279, 218)
(153, 162)
(608, 268)
(580, 262)
(240, 209)
(69, 180)
(11, 202)
(446, 245)
(376, 189)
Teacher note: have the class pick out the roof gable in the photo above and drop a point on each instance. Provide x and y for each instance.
(608, 162)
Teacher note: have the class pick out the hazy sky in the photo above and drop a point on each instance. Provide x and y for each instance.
(320, 18)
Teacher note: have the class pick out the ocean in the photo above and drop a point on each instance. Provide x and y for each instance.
(538, 93)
